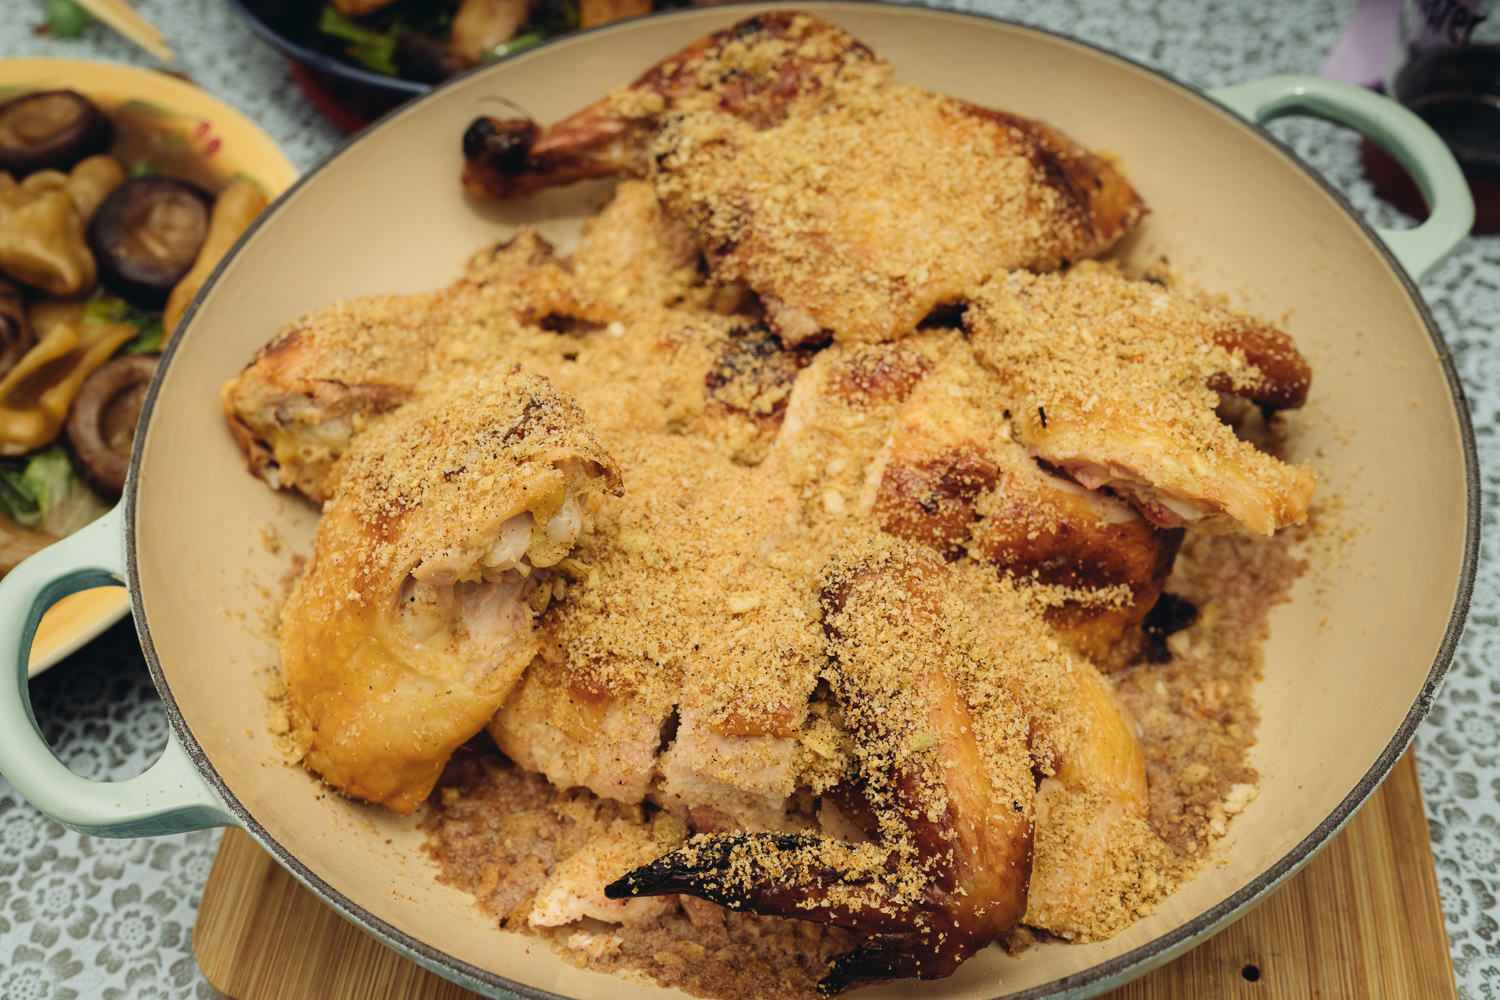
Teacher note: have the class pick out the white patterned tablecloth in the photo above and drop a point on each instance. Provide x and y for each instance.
(84, 918)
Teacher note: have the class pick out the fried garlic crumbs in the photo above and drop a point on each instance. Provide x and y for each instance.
(686, 672)
(824, 634)
(1125, 373)
(863, 218)
(687, 675)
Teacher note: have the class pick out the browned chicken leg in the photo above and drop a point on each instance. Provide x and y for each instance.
(761, 70)
(414, 618)
(852, 206)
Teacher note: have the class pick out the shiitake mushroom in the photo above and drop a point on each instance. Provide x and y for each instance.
(146, 235)
(101, 425)
(50, 129)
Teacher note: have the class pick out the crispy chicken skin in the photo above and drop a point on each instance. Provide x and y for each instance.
(1116, 383)
(1091, 817)
(413, 619)
(761, 70)
(1107, 563)
(862, 219)
(949, 477)
(948, 784)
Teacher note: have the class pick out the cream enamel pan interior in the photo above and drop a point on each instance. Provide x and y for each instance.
(1352, 663)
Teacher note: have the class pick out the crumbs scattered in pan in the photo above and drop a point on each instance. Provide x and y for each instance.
(505, 835)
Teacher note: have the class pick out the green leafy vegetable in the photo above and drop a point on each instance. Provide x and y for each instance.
(50, 476)
(17, 499)
(75, 507)
(149, 333)
(66, 18)
(374, 50)
(34, 486)
(148, 341)
(42, 492)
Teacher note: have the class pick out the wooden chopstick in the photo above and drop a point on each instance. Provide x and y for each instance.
(124, 19)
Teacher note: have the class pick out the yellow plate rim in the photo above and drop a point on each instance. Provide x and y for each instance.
(72, 622)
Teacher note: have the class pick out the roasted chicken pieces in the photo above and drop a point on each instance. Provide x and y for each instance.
(1117, 383)
(761, 70)
(845, 614)
(852, 206)
(958, 700)
(949, 789)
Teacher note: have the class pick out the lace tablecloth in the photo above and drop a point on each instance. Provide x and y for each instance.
(84, 918)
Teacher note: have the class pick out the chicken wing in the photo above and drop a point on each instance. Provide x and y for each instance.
(948, 785)
(414, 617)
(1116, 383)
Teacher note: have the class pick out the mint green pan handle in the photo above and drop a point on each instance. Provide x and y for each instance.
(1392, 127)
(171, 796)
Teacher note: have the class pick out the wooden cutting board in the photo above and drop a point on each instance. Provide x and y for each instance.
(1362, 919)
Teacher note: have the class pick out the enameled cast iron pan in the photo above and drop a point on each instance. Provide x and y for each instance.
(1353, 661)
